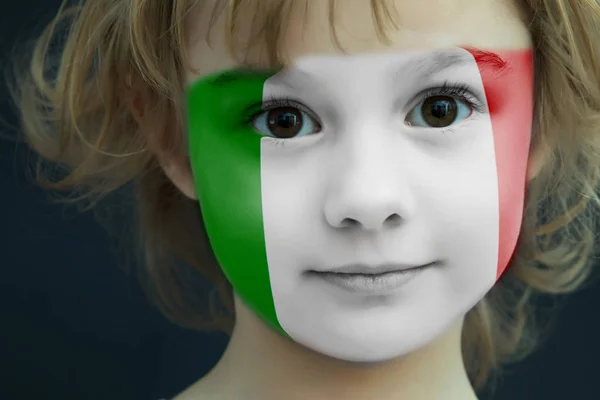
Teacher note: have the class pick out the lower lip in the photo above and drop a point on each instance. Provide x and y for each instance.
(371, 284)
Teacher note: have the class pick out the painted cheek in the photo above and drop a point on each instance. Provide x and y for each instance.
(225, 153)
(509, 94)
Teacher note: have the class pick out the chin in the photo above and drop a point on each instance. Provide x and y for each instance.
(374, 356)
(376, 345)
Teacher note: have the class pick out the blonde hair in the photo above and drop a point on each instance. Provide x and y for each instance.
(75, 112)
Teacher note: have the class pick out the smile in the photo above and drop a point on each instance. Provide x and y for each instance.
(371, 280)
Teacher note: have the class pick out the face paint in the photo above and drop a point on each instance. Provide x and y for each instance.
(404, 161)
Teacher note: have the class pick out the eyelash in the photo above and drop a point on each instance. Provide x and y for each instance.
(461, 91)
(272, 103)
(278, 102)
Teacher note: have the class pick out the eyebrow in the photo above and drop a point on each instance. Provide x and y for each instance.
(489, 61)
(420, 68)
(234, 75)
(426, 66)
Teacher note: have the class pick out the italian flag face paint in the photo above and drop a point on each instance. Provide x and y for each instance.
(366, 182)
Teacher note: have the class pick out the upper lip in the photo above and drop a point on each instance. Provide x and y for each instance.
(372, 269)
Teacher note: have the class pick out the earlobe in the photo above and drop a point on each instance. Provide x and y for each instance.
(180, 174)
(137, 109)
(536, 163)
(136, 105)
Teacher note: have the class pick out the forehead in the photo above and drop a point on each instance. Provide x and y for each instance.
(483, 24)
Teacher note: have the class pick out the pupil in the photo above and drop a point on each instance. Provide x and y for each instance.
(440, 111)
(285, 122)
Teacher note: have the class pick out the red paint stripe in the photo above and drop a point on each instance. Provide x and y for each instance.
(508, 82)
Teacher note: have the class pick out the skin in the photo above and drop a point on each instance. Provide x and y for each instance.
(260, 364)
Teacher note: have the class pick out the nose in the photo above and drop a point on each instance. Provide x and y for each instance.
(370, 192)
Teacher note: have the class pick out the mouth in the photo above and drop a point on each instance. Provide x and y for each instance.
(372, 280)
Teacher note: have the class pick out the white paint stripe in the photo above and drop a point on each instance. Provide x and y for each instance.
(364, 160)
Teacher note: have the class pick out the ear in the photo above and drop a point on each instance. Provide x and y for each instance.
(180, 174)
(176, 168)
(537, 160)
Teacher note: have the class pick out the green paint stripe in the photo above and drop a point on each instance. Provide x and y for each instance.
(225, 158)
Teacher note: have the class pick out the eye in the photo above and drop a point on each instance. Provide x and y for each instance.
(285, 123)
(439, 112)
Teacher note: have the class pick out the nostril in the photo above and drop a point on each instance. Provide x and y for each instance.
(349, 223)
(393, 219)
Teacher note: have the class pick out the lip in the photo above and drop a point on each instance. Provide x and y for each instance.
(371, 280)
(372, 270)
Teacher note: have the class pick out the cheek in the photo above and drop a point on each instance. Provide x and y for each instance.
(292, 186)
(510, 100)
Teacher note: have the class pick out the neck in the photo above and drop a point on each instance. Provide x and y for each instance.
(265, 365)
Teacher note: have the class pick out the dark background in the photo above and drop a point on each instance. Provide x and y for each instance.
(73, 325)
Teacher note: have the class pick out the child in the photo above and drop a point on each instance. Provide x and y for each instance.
(376, 188)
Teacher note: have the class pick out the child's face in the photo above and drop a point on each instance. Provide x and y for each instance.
(411, 158)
